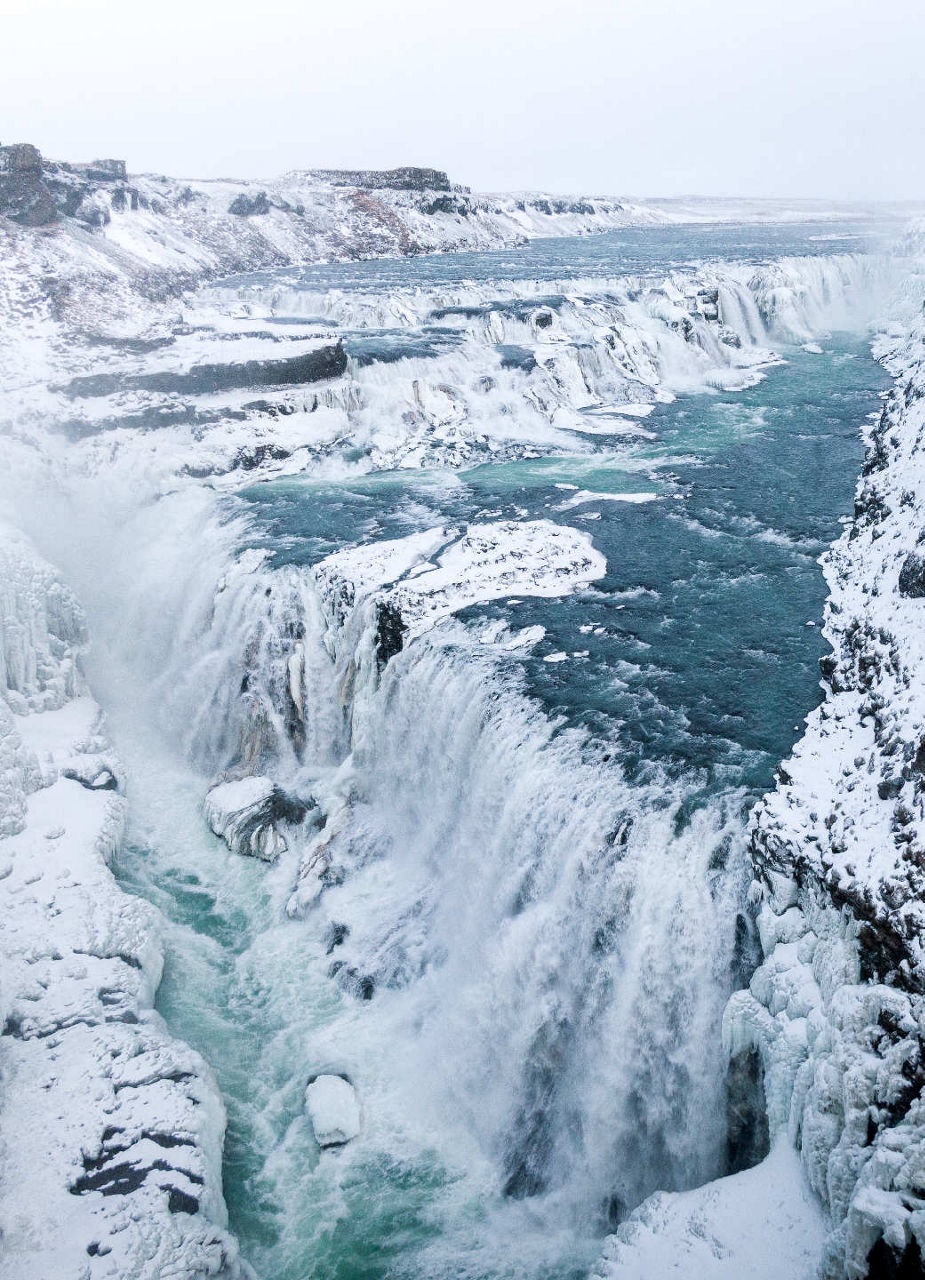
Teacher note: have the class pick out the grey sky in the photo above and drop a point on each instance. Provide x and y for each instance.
(647, 97)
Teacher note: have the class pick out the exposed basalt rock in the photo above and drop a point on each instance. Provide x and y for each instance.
(447, 204)
(408, 178)
(708, 303)
(390, 632)
(549, 207)
(36, 192)
(748, 1138)
(324, 361)
(245, 206)
(24, 196)
(100, 170)
(912, 576)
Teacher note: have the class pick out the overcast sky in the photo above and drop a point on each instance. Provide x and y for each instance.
(646, 97)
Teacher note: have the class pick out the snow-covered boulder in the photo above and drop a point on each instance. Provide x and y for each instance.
(334, 1110)
(247, 815)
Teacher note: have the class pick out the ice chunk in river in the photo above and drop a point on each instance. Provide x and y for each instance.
(333, 1109)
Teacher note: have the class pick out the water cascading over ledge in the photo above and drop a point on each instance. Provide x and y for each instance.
(512, 851)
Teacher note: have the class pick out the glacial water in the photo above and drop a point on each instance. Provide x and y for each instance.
(536, 913)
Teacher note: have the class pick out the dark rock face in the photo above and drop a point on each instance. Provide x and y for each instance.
(884, 1264)
(748, 1138)
(204, 379)
(912, 576)
(101, 170)
(35, 192)
(549, 207)
(447, 204)
(245, 206)
(24, 196)
(407, 178)
(390, 633)
(708, 303)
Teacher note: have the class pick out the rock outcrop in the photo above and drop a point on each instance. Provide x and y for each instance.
(407, 178)
(24, 196)
(249, 813)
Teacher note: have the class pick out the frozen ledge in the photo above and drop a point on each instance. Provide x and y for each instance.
(429, 575)
(762, 1224)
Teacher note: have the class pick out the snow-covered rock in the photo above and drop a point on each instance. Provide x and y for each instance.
(248, 813)
(334, 1110)
(427, 576)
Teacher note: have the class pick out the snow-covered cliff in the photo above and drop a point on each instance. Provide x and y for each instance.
(837, 1007)
(110, 1130)
(835, 1013)
(89, 241)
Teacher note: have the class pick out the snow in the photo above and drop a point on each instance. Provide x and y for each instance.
(761, 1224)
(333, 1109)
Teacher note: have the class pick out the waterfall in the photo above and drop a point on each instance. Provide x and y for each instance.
(516, 948)
(516, 979)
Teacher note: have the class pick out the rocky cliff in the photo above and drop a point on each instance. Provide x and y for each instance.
(836, 1009)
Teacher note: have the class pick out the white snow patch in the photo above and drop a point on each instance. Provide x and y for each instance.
(334, 1110)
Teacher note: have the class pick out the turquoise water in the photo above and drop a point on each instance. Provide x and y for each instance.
(526, 1061)
(697, 644)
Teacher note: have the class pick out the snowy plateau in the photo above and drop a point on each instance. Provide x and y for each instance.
(161, 355)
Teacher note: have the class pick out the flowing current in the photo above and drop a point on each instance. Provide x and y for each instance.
(517, 905)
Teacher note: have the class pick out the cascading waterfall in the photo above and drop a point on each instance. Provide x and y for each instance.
(518, 981)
